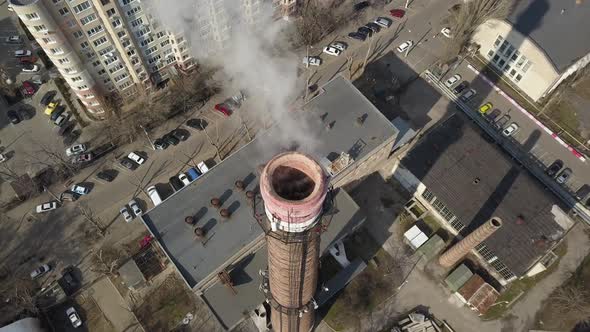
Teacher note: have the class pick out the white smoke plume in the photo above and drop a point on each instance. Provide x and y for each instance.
(243, 38)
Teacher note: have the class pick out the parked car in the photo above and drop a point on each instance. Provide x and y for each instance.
(24, 114)
(126, 214)
(493, 115)
(13, 117)
(510, 130)
(29, 68)
(47, 97)
(3, 157)
(28, 59)
(135, 208)
(170, 139)
(198, 124)
(106, 175)
(136, 158)
(452, 80)
(309, 61)
(185, 180)
(221, 108)
(446, 32)
(554, 168)
(160, 144)
(57, 112)
(203, 168)
(176, 183)
(501, 123)
(485, 108)
(14, 39)
(361, 5)
(154, 195)
(332, 51)
(339, 46)
(564, 176)
(68, 196)
(461, 87)
(21, 53)
(583, 192)
(128, 163)
(404, 46)
(75, 149)
(383, 22)
(66, 129)
(82, 158)
(41, 270)
(398, 13)
(28, 89)
(193, 173)
(62, 119)
(50, 108)
(365, 31)
(73, 316)
(80, 189)
(373, 26)
(46, 207)
(357, 36)
(181, 134)
(468, 95)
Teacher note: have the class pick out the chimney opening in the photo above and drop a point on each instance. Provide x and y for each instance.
(496, 222)
(215, 202)
(476, 181)
(240, 185)
(199, 232)
(291, 184)
(189, 220)
(224, 213)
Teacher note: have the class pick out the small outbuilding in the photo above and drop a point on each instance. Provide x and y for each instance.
(458, 277)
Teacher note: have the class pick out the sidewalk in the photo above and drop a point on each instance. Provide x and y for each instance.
(113, 306)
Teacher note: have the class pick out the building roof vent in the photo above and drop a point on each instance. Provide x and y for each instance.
(476, 181)
(215, 202)
(520, 219)
(224, 213)
(189, 220)
(240, 185)
(199, 232)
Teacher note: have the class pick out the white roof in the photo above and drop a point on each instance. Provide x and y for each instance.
(415, 236)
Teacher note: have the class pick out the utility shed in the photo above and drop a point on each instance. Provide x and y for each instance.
(432, 247)
(478, 294)
(458, 277)
(415, 237)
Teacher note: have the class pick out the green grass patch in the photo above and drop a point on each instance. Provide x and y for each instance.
(564, 114)
(432, 223)
(523, 285)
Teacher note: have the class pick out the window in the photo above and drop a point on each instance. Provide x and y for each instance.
(105, 2)
(56, 1)
(120, 77)
(105, 51)
(49, 40)
(81, 7)
(457, 224)
(82, 87)
(145, 42)
(63, 60)
(100, 41)
(40, 28)
(90, 55)
(503, 270)
(490, 53)
(94, 30)
(131, 52)
(165, 42)
(78, 34)
(167, 51)
(496, 58)
(498, 41)
(442, 210)
(428, 195)
(133, 10)
(136, 22)
(121, 34)
(96, 63)
(110, 60)
(151, 50)
(116, 23)
(170, 60)
(514, 56)
(134, 61)
(69, 70)
(506, 68)
(116, 68)
(71, 23)
(527, 66)
(125, 85)
(503, 47)
(485, 252)
(521, 61)
(111, 12)
(57, 50)
(84, 45)
(63, 11)
(88, 19)
(88, 96)
(142, 31)
(509, 50)
(106, 80)
(501, 63)
(518, 78)
(154, 59)
(180, 40)
(512, 73)
(160, 34)
(126, 43)
(76, 79)
(126, 2)
(32, 16)
(102, 72)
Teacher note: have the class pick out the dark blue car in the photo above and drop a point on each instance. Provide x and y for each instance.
(193, 174)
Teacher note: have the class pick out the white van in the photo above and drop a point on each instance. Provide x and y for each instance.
(202, 167)
(154, 195)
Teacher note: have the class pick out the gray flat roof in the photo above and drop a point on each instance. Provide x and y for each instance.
(344, 217)
(476, 180)
(562, 35)
(338, 104)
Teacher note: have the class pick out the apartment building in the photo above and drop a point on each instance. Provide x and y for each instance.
(102, 47)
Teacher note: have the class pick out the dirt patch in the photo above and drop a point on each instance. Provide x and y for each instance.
(165, 307)
(92, 316)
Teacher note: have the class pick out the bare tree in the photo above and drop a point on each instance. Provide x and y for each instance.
(316, 22)
(572, 300)
(17, 293)
(55, 159)
(470, 15)
(105, 261)
(88, 214)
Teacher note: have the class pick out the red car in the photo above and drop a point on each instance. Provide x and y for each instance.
(28, 89)
(28, 59)
(221, 108)
(399, 13)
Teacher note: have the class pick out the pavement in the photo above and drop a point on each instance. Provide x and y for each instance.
(113, 306)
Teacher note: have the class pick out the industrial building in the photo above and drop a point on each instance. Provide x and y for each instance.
(538, 45)
(102, 47)
(237, 241)
(498, 211)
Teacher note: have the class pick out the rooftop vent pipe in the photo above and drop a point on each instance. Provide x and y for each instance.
(215, 202)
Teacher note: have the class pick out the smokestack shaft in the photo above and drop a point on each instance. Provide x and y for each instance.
(461, 248)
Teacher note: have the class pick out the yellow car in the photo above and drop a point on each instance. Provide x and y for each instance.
(50, 108)
(485, 108)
